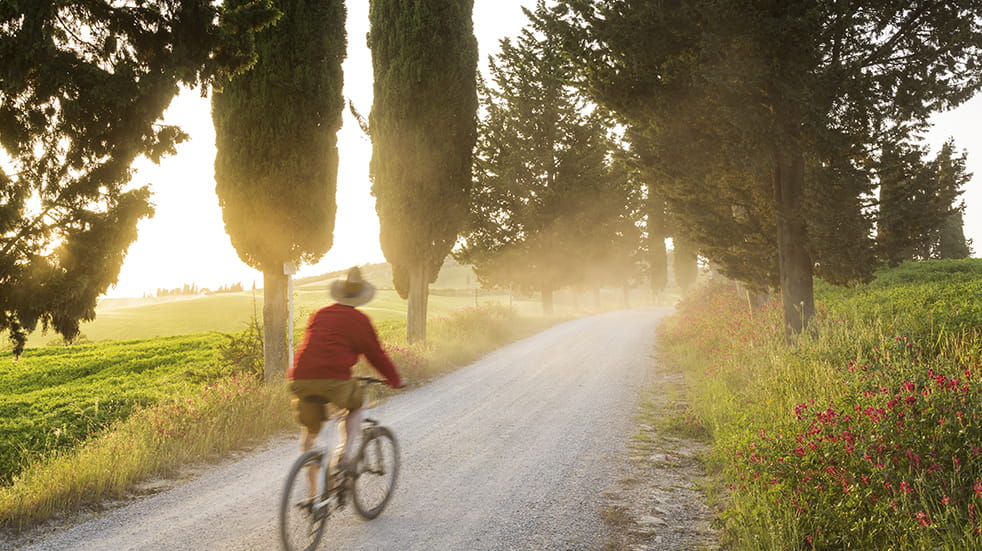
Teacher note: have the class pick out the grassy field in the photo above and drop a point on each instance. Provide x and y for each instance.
(55, 398)
(863, 434)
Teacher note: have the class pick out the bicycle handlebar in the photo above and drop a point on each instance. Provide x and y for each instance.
(372, 380)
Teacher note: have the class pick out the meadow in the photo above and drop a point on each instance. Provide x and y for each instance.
(141, 318)
(88, 422)
(864, 433)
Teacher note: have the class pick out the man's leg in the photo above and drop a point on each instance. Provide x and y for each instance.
(352, 424)
(306, 442)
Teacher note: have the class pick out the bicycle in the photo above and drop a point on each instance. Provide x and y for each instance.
(368, 483)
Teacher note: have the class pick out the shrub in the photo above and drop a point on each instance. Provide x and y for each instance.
(865, 434)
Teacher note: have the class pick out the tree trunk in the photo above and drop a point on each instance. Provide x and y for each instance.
(657, 253)
(685, 262)
(419, 294)
(547, 302)
(794, 259)
(275, 353)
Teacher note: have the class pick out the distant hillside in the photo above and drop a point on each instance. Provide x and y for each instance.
(124, 319)
(453, 276)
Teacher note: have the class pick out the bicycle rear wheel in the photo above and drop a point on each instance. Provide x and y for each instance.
(301, 521)
(375, 473)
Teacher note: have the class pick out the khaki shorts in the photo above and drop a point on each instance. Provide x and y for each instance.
(313, 394)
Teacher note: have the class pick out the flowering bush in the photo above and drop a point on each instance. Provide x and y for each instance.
(885, 463)
(866, 434)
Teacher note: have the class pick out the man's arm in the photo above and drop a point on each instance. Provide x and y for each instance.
(372, 349)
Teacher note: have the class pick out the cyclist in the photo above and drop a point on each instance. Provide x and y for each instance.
(335, 337)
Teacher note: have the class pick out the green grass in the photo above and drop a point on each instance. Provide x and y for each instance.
(103, 417)
(55, 398)
(865, 434)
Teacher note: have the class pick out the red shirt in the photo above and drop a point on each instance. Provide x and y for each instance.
(336, 335)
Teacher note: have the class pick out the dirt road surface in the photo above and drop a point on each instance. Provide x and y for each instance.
(512, 452)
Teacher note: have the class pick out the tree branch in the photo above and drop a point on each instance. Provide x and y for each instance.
(908, 26)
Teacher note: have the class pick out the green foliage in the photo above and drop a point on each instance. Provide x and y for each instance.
(769, 114)
(276, 137)
(243, 351)
(56, 398)
(918, 204)
(921, 299)
(554, 202)
(951, 237)
(277, 158)
(422, 124)
(227, 413)
(81, 90)
(864, 435)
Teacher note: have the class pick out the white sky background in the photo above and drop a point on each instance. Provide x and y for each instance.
(185, 242)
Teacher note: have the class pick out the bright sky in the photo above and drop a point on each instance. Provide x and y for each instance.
(185, 242)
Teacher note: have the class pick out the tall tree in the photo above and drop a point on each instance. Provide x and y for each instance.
(541, 197)
(423, 128)
(948, 239)
(82, 88)
(610, 252)
(951, 238)
(918, 199)
(276, 165)
(784, 84)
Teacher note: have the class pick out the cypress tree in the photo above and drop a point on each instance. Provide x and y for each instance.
(951, 238)
(423, 128)
(276, 165)
(948, 239)
(918, 202)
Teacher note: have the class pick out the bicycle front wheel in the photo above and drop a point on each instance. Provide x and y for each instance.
(375, 472)
(302, 517)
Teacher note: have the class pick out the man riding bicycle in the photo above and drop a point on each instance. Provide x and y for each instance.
(321, 372)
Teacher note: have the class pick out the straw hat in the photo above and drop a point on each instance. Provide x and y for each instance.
(353, 290)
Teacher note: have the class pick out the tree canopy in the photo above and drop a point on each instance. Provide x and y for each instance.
(787, 101)
(919, 204)
(82, 88)
(549, 207)
(277, 157)
(423, 128)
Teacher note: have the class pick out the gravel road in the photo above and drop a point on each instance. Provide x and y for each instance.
(510, 453)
